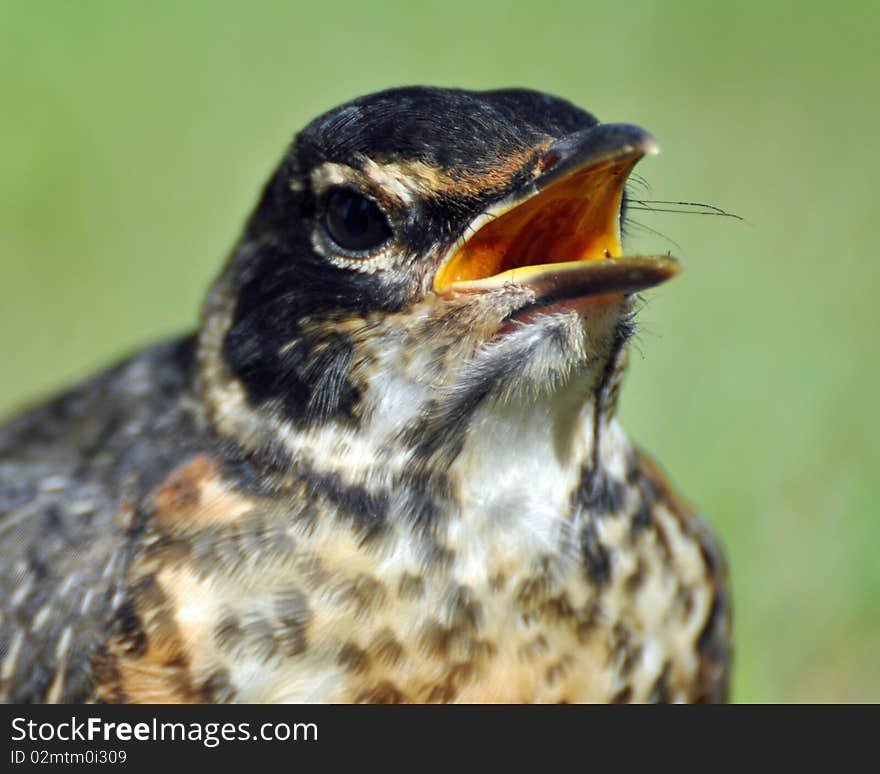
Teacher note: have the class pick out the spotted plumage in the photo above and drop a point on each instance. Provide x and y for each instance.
(386, 468)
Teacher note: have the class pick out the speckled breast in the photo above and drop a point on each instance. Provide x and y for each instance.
(293, 597)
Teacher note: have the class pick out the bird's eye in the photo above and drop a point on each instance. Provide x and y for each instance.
(354, 222)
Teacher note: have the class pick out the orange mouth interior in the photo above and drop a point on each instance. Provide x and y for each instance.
(572, 220)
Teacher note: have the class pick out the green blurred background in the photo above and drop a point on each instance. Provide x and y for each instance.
(135, 138)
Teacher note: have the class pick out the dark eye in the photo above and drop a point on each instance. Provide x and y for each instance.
(354, 222)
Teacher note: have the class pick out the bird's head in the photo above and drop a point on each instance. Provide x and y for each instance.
(420, 253)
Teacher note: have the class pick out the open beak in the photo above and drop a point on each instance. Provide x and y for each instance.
(560, 234)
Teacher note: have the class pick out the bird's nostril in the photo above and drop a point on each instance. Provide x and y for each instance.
(548, 161)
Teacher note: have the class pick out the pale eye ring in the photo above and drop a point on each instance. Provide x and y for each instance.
(354, 222)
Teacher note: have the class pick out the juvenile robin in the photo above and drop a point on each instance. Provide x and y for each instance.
(386, 468)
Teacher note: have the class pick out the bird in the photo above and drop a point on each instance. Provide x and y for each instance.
(386, 467)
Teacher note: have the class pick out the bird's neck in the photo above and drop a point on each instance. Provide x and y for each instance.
(533, 459)
(525, 440)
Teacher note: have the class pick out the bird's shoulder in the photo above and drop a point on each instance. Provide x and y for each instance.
(71, 473)
(714, 641)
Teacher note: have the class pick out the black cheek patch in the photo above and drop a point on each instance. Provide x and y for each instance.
(309, 377)
(306, 369)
